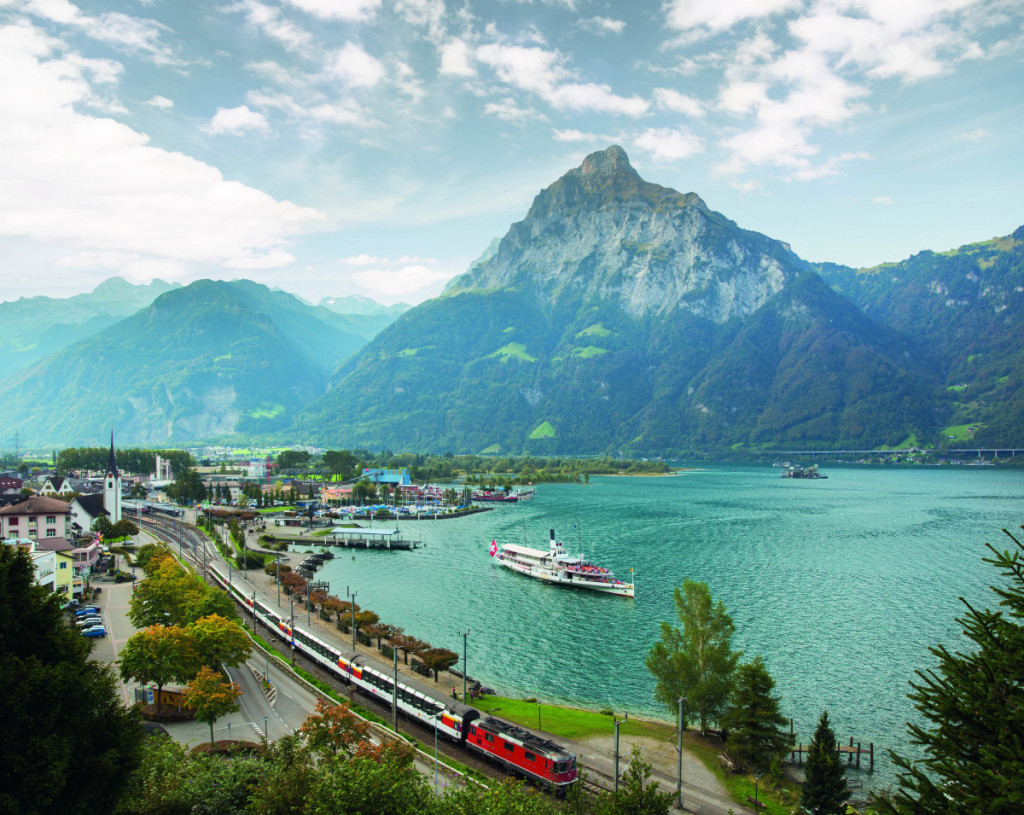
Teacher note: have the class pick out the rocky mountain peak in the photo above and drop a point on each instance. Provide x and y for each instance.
(607, 162)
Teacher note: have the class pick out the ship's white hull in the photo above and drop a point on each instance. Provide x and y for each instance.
(564, 578)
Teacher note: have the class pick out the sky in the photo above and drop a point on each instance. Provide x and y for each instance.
(377, 147)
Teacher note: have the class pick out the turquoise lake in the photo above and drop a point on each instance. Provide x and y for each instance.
(841, 585)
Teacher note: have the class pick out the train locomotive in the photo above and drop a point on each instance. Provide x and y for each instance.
(514, 748)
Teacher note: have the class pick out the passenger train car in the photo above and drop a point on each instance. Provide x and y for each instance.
(513, 747)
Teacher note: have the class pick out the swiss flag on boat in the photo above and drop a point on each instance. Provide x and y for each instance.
(494, 548)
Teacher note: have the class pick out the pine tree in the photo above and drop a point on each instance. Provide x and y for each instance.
(973, 706)
(753, 722)
(825, 791)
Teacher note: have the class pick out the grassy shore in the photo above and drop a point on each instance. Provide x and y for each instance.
(578, 725)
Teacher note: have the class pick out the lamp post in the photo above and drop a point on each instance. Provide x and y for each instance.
(277, 559)
(757, 778)
(437, 718)
(465, 670)
(617, 723)
(352, 602)
(679, 747)
(291, 633)
(266, 738)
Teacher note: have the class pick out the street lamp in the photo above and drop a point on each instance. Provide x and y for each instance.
(291, 633)
(352, 602)
(465, 670)
(437, 719)
(679, 748)
(617, 723)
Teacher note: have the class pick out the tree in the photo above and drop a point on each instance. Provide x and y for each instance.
(825, 791)
(697, 663)
(635, 795)
(67, 743)
(160, 654)
(334, 728)
(123, 529)
(187, 487)
(438, 659)
(753, 722)
(102, 526)
(211, 696)
(292, 459)
(219, 643)
(167, 596)
(973, 708)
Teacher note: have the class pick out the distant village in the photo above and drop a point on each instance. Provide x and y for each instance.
(66, 521)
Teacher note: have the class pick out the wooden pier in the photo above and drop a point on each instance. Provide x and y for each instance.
(852, 752)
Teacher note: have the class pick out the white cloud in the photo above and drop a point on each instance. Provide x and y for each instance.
(508, 111)
(605, 25)
(363, 260)
(574, 136)
(425, 13)
(355, 67)
(161, 102)
(719, 15)
(275, 25)
(883, 199)
(541, 71)
(271, 258)
(972, 135)
(129, 33)
(94, 185)
(350, 10)
(406, 283)
(676, 102)
(456, 58)
(236, 121)
(668, 144)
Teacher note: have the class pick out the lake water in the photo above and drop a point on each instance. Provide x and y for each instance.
(841, 585)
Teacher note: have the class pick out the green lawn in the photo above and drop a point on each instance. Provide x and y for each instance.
(960, 432)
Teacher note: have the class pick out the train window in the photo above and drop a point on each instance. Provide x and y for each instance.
(472, 731)
(488, 737)
(530, 756)
(561, 766)
(509, 747)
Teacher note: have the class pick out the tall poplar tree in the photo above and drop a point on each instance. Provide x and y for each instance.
(973, 708)
(825, 791)
(695, 664)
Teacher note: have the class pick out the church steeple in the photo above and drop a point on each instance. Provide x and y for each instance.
(112, 467)
(112, 486)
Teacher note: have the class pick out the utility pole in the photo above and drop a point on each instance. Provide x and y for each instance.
(278, 561)
(394, 691)
(291, 633)
(254, 611)
(465, 671)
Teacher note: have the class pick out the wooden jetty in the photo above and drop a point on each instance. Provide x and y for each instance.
(852, 752)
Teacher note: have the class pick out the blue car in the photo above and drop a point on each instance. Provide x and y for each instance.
(87, 610)
(95, 631)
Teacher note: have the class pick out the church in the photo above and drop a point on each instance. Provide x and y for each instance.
(85, 509)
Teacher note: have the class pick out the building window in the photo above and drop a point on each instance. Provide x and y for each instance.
(51, 519)
(51, 533)
(63, 564)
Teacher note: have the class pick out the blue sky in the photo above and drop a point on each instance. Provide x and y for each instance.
(374, 147)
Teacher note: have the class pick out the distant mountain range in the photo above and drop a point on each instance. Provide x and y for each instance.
(36, 326)
(202, 361)
(618, 316)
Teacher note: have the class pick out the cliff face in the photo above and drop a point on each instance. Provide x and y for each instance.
(603, 233)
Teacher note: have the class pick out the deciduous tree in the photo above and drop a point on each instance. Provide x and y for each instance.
(334, 728)
(753, 722)
(219, 643)
(211, 696)
(438, 659)
(696, 663)
(160, 654)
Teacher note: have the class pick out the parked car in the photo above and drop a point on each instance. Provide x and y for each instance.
(95, 631)
(88, 622)
(85, 611)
